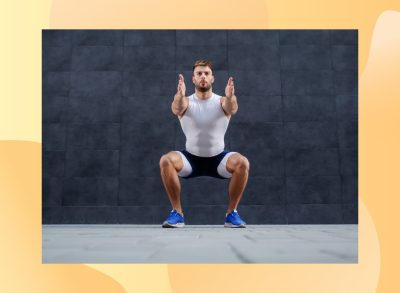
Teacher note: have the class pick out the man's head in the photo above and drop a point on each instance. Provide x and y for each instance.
(203, 77)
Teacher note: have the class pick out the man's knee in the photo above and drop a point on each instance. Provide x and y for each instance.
(165, 161)
(242, 164)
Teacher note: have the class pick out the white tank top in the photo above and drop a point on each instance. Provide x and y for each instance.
(204, 125)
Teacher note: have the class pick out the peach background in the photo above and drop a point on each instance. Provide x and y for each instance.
(20, 145)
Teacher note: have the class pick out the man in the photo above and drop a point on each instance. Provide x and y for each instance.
(204, 117)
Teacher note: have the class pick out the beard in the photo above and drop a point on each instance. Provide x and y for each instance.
(204, 88)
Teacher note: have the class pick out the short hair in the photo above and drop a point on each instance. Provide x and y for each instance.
(202, 63)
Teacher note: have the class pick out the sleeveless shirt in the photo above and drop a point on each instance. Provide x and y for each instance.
(204, 124)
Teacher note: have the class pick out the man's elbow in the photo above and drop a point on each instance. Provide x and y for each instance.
(178, 111)
(234, 110)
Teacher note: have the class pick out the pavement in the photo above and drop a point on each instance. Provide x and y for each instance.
(200, 244)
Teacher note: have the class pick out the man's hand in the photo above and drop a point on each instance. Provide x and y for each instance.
(181, 86)
(181, 102)
(230, 88)
(229, 102)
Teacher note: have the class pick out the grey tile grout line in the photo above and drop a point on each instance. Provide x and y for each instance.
(122, 99)
(283, 131)
(337, 125)
(66, 123)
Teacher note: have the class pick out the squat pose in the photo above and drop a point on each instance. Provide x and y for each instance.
(204, 117)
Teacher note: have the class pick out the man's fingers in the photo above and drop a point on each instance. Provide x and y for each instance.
(181, 78)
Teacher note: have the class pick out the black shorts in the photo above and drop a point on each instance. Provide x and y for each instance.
(204, 166)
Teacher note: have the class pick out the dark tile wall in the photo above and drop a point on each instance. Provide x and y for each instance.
(107, 120)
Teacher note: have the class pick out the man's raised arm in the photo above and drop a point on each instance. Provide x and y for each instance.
(229, 102)
(181, 102)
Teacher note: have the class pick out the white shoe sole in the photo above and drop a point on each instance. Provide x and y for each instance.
(230, 225)
(168, 225)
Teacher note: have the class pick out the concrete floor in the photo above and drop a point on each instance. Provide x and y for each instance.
(200, 244)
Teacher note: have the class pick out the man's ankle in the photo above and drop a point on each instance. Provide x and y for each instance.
(179, 211)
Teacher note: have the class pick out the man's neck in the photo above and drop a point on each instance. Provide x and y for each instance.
(203, 95)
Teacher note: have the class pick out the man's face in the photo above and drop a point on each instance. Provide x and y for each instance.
(203, 78)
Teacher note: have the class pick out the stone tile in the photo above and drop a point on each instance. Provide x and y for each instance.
(273, 214)
(142, 109)
(142, 83)
(187, 55)
(245, 57)
(265, 162)
(91, 163)
(51, 191)
(86, 191)
(56, 37)
(147, 136)
(310, 134)
(94, 136)
(256, 136)
(199, 244)
(266, 190)
(350, 213)
(305, 57)
(309, 108)
(307, 82)
(304, 37)
(348, 134)
(201, 37)
(56, 58)
(155, 214)
(149, 37)
(349, 161)
(345, 82)
(139, 191)
(312, 162)
(79, 215)
(143, 162)
(347, 107)
(53, 163)
(204, 191)
(96, 84)
(56, 83)
(54, 108)
(313, 190)
(96, 109)
(98, 37)
(315, 214)
(97, 58)
(350, 189)
(205, 214)
(344, 37)
(345, 57)
(253, 37)
(140, 58)
(53, 136)
(251, 82)
(259, 109)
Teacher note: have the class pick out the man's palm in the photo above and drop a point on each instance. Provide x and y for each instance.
(230, 88)
(181, 86)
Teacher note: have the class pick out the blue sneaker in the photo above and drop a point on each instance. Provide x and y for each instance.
(174, 220)
(233, 220)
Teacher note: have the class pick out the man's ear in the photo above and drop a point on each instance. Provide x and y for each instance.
(193, 79)
(212, 79)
